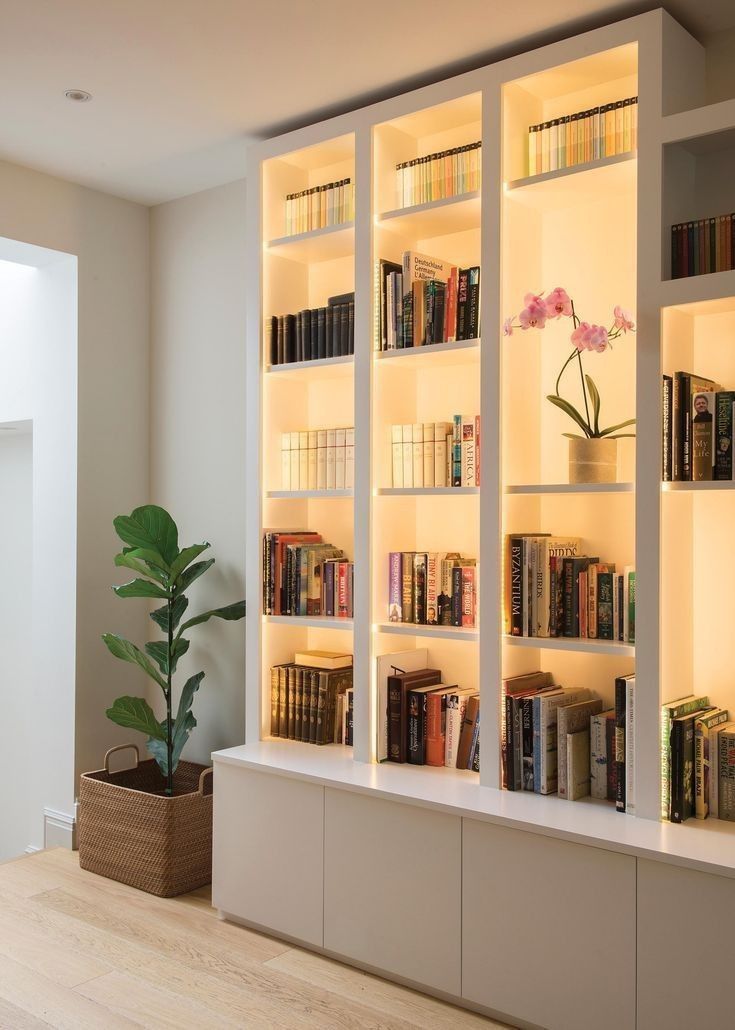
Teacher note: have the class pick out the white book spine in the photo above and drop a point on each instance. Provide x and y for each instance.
(321, 459)
(349, 459)
(630, 745)
(440, 454)
(294, 461)
(331, 460)
(312, 460)
(339, 459)
(598, 756)
(468, 450)
(418, 453)
(408, 455)
(429, 454)
(285, 461)
(456, 705)
(396, 447)
(304, 460)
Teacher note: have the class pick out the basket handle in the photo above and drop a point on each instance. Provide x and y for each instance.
(207, 772)
(122, 747)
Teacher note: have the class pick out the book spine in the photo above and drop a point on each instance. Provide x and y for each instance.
(395, 593)
(516, 586)
(630, 745)
(724, 436)
(457, 451)
(275, 702)
(416, 721)
(407, 586)
(726, 761)
(468, 596)
(620, 695)
(456, 604)
(666, 402)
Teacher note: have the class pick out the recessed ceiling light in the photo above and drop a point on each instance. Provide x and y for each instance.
(80, 96)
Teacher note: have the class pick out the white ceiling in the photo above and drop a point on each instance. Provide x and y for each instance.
(181, 86)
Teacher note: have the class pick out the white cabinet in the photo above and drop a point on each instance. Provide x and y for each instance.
(392, 888)
(549, 929)
(685, 951)
(268, 851)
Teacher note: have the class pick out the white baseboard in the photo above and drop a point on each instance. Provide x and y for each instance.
(59, 829)
(32, 850)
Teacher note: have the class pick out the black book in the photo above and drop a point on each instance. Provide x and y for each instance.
(321, 332)
(527, 781)
(344, 329)
(667, 399)
(429, 306)
(289, 338)
(462, 306)
(328, 319)
(419, 588)
(336, 329)
(351, 327)
(384, 270)
(620, 698)
(314, 335)
(437, 326)
(341, 298)
(299, 336)
(457, 595)
(682, 767)
(416, 725)
(280, 340)
(473, 303)
(572, 569)
(273, 340)
(313, 675)
(510, 781)
(724, 435)
(399, 686)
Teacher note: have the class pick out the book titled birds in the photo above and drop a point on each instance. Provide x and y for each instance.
(448, 173)
(432, 589)
(425, 300)
(318, 207)
(585, 136)
(303, 575)
(697, 429)
(553, 589)
(312, 698)
(313, 333)
(318, 459)
(436, 454)
(702, 246)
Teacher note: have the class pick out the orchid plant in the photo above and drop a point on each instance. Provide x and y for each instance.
(585, 336)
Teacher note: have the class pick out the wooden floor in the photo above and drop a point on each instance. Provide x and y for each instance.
(78, 951)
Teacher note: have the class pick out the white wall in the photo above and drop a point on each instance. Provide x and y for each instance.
(16, 681)
(109, 237)
(198, 429)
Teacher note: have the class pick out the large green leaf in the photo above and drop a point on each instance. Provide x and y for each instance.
(188, 576)
(230, 613)
(160, 615)
(127, 561)
(185, 558)
(158, 650)
(595, 396)
(136, 714)
(567, 408)
(159, 750)
(128, 652)
(620, 425)
(187, 694)
(150, 527)
(140, 588)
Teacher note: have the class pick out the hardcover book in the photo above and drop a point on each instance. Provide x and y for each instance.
(578, 764)
(571, 719)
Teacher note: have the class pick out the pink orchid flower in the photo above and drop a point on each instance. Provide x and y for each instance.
(558, 303)
(508, 327)
(533, 315)
(590, 337)
(623, 319)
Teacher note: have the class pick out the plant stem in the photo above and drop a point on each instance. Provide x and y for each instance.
(571, 357)
(584, 392)
(169, 719)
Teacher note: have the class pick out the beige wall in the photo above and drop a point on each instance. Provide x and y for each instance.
(198, 429)
(110, 239)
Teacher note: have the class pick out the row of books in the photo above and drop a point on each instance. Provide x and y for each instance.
(329, 204)
(429, 588)
(697, 760)
(447, 173)
(559, 740)
(431, 454)
(424, 721)
(304, 576)
(311, 703)
(552, 589)
(318, 459)
(697, 428)
(585, 136)
(313, 333)
(704, 245)
(424, 300)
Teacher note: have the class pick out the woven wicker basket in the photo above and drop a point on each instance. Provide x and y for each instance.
(131, 833)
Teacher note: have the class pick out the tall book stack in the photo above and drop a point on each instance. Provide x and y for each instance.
(425, 300)
(432, 589)
(318, 459)
(304, 576)
(585, 136)
(697, 429)
(553, 589)
(701, 246)
(320, 206)
(697, 760)
(436, 454)
(313, 333)
(448, 173)
(312, 698)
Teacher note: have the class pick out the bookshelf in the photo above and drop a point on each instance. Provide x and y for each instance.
(601, 231)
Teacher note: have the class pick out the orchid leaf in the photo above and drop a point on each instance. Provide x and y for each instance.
(595, 395)
(572, 412)
(620, 425)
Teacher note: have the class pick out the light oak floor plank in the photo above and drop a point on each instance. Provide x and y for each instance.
(79, 951)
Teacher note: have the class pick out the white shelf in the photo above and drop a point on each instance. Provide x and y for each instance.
(584, 645)
(308, 494)
(321, 368)
(333, 241)
(310, 622)
(698, 123)
(708, 294)
(706, 846)
(704, 487)
(571, 488)
(410, 629)
(462, 352)
(435, 218)
(564, 186)
(427, 491)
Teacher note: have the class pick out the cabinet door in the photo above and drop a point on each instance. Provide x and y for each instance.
(549, 932)
(392, 893)
(268, 851)
(685, 953)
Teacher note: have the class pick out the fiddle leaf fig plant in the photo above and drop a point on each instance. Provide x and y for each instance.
(164, 572)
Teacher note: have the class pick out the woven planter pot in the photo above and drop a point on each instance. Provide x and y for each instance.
(130, 832)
